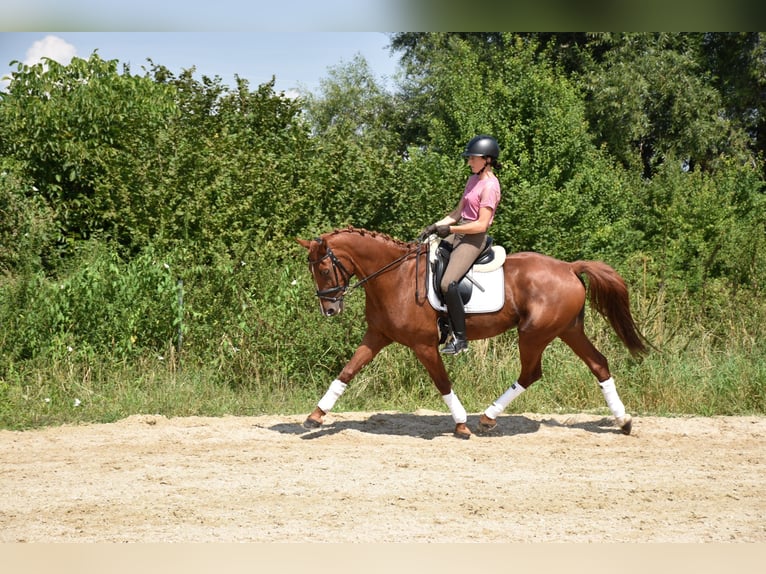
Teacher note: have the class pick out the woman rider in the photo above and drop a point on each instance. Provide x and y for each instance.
(465, 228)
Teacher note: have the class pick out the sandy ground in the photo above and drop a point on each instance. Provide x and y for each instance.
(386, 477)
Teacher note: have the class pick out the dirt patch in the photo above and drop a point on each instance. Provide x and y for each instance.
(386, 477)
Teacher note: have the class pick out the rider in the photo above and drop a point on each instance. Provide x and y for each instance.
(465, 228)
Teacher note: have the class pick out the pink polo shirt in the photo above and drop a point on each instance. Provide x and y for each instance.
(480, 193)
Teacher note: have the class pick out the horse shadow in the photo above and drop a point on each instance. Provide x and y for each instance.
(430, 427)
(603, 425)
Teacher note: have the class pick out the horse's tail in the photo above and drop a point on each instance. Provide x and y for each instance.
(608, 294)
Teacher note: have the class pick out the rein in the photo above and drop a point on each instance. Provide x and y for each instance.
(341, 273)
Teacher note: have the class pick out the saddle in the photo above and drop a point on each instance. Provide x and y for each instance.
(486, 274)
(491, 257)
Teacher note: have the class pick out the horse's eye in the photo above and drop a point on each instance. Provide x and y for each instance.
(325, 272)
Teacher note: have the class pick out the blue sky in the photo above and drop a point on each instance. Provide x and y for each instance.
(296, 59)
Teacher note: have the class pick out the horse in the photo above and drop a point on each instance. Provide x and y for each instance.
(545, 298)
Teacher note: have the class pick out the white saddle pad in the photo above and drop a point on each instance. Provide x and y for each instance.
(488, 280)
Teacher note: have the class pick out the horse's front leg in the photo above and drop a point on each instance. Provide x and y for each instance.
(370, 346)
(429, 357)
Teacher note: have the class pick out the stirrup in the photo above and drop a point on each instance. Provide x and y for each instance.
(454, 347)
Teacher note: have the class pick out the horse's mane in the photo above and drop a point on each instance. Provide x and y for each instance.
(367, 233)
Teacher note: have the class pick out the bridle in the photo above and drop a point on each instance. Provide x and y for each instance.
(343, 275)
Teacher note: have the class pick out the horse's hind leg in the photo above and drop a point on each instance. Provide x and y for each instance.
(370, 346)
(576, 339)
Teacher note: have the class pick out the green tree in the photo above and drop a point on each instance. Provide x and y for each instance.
(235, 162)
(26, 222)
(736, 62)
(86, 134)
(651, 102)
(357, 151)
(561, 195)
(702, 226)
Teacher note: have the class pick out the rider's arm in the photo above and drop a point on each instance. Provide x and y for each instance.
(453, 216)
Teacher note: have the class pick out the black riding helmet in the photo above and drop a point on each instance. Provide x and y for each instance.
(482, 146)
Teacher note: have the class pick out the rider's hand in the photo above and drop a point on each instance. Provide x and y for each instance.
(430, 230)
(442, 230)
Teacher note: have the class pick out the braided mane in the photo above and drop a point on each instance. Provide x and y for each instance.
(374, 234)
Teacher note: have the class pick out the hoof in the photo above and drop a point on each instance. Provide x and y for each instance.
(462, 431)
(486, 425)
(315, 419)
(625, 423)
(310, 423)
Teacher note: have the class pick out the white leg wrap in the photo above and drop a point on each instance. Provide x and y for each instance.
(455, 407)
(505, 399)
(327, 402)
(612, 398)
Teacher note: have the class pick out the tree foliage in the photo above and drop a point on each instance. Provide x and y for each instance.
(84, 134)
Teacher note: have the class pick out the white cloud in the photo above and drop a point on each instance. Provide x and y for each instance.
(51, 47)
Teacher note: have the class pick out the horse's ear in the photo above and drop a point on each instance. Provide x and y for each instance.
(303, 242)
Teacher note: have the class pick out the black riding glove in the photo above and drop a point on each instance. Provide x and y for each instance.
(430, 230)
(442, 230)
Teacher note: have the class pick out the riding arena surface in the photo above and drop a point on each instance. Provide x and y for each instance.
(386, 477)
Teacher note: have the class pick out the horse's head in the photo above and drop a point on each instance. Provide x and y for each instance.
(330, 275)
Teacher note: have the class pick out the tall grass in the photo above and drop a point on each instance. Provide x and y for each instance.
(107, 338)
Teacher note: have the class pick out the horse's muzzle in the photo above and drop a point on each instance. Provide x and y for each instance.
(330, 309)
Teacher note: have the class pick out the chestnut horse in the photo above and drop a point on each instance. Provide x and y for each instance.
(544, 299)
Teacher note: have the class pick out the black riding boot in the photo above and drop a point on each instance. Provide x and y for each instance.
(456, 312)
